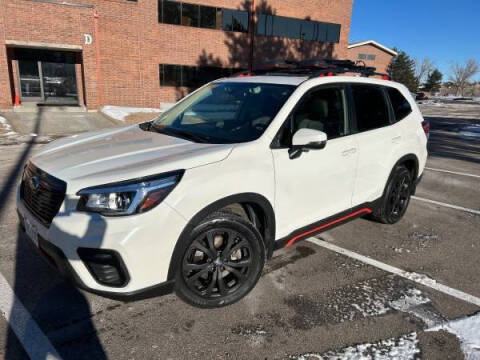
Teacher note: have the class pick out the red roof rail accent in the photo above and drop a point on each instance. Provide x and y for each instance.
(244, 74)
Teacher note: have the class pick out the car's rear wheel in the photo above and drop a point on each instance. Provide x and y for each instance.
(396, 197)
(221, 263)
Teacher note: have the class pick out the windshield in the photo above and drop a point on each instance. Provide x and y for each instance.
(224, 112)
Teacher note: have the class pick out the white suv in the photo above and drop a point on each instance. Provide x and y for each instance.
(196, 200)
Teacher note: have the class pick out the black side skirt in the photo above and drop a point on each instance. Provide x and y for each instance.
(327, 224)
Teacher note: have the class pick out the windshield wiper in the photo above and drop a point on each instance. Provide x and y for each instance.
(182, 134)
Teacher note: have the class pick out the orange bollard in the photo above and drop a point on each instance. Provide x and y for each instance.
(17, 100)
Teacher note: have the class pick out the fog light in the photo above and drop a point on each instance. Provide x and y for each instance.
(105, 266)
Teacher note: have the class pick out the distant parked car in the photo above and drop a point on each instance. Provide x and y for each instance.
(421, 96)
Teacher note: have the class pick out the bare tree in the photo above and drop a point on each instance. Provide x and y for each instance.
(461, 75)
(423, 68)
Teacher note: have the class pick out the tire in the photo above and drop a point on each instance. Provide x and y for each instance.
(396, 196)
(221, 263)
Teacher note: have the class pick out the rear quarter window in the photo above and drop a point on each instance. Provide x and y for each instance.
(401, 106)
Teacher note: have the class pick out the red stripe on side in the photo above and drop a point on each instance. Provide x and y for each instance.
(333, 222)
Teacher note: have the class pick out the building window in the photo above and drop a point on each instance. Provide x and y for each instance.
(191, 76)
(281, 26)
(190, 15)
(366, 57)
(208, 17)
(171, 13)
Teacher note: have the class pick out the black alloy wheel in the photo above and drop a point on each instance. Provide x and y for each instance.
(217, 263)
(396, 196)
(222, 263)
(399, 196)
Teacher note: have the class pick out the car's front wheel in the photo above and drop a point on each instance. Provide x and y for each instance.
(222, 262)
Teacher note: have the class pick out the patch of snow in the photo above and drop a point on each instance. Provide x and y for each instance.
(10, 137)
(121, 112)
(166, 106)
(404, 347)
(6, 126)
(467, 330)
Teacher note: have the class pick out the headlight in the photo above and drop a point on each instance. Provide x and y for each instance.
(128, 197)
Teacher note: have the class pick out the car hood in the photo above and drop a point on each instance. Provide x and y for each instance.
(122, 154)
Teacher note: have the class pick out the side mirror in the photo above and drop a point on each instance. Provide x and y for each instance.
(307, 139)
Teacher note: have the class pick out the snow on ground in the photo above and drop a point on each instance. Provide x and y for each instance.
(9, 137)
(121, 112)
(467, 331)
(5, 128)
(404, 348)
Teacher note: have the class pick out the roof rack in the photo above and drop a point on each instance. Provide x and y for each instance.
(314, 68)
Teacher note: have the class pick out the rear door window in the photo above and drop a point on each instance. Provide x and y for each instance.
(371, 108)
(401, 106)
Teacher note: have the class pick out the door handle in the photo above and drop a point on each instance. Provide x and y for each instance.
(396, 139)
(349, 151)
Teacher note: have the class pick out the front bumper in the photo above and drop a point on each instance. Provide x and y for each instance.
(144, 243)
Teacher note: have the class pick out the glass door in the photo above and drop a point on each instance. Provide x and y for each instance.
(30, 84)
(59, 83)
(48, 77)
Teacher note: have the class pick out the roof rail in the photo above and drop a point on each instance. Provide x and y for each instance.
(314, 68)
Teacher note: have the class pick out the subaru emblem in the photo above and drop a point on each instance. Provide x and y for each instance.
(34, 182)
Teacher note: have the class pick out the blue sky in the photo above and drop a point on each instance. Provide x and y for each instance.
(443, 30)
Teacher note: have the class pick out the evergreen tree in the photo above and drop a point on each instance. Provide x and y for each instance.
(434, 81)
(402, 70)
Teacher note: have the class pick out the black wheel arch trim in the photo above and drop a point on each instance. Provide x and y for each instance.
(253, 198)
(402, 160)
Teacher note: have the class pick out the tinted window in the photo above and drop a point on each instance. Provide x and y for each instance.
(239, 21)
(333, 34)
(171, 12)
(307, 30)
(323, 110)
(170, 75)
(191, 76)
(225, 112)
(190, 15)
(186, 14)
(227, 20)
(370, 107)
(401, 106)
(371, 57)
(208, 17)
(321, 32)
(271, 25)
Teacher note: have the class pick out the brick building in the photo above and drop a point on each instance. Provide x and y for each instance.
(372, 54)
(141, 52)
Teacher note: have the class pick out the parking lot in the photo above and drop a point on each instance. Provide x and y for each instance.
(410, 290)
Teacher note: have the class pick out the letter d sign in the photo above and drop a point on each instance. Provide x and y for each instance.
(88, 39)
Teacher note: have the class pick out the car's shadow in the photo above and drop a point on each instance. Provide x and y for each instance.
(61, 311)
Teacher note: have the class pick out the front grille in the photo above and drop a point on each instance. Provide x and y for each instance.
(42, 193)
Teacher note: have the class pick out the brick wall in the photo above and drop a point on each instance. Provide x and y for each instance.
(132, 43)
(382, 58)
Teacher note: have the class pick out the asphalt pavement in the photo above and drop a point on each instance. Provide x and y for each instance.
(363, 289)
